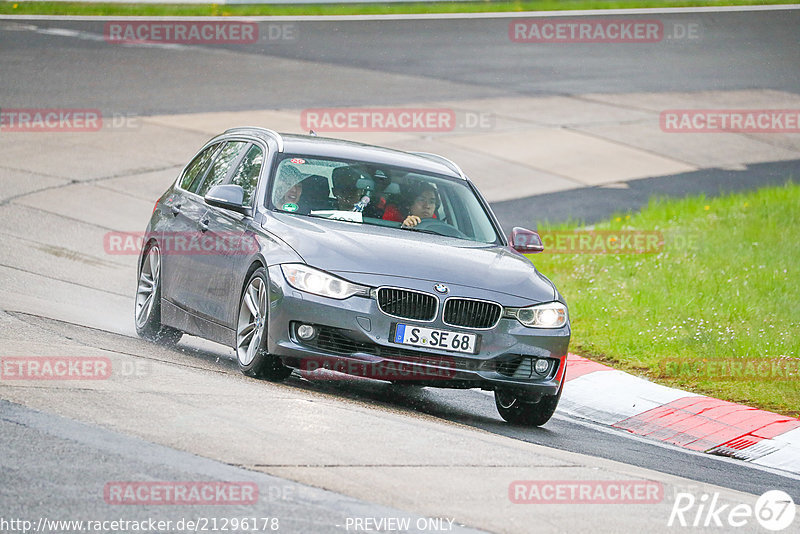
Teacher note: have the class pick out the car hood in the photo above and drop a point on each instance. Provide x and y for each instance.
(351, 248)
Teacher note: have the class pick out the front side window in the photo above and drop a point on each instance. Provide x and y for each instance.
(196, 169)
(219, 170)
(246, 174)
(380, 195)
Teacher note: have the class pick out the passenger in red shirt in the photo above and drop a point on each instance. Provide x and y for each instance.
(393, 213)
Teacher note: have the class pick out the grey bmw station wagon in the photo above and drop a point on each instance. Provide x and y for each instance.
(325, 256)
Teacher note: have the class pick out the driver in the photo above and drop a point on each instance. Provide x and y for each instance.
(422, 202)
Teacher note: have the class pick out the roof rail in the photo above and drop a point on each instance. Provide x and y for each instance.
(272, 133)
(442, 159)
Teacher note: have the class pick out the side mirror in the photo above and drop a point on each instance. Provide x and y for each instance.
(229, 197)
(526, 241)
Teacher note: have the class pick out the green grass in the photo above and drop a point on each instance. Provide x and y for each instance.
(82, 8)
(724, 289)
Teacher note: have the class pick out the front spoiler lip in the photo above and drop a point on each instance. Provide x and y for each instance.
(380, 368)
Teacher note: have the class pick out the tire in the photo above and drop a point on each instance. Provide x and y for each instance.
(515, 410)
(147, 309)
(251, 332)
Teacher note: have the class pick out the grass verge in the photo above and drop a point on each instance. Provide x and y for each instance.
(109, 9)
(713, 308)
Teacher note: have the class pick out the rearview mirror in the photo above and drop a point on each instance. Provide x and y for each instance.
(526, 241)
(365, 183)
(229, 197)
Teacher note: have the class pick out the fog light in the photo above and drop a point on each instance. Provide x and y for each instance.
(541, 366)
(306, 331)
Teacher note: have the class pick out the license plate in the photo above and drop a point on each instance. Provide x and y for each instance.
(432, 338)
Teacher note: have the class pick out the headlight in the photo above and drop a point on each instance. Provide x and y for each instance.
(318, 282)
(550, 315)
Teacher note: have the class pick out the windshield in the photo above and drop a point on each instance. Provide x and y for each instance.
(380, 195)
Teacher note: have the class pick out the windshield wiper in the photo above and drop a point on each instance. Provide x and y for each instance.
(412, 229)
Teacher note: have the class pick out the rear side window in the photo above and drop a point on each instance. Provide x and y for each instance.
(246, 174)
(216, 175)
(197, 168)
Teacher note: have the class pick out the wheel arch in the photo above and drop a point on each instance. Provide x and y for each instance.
(146, 245)
(257, 263)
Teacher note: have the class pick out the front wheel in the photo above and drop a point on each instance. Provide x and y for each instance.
(514, 408)
(147, 315)
(251, 332)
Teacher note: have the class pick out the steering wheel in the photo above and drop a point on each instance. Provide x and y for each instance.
(441, 228)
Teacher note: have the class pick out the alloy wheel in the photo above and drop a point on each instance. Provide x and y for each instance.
(252, 320)
(148, 286)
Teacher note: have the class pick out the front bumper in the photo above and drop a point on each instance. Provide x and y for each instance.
(354, 338)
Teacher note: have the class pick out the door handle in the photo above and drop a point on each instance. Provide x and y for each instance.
(176, 209)
(204, 225)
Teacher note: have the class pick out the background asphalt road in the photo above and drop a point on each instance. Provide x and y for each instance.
(355, 63)
(594, 204)
(71, 463)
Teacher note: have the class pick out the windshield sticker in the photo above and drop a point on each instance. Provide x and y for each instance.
(298, 161)
(290, 206)
(338, 215)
